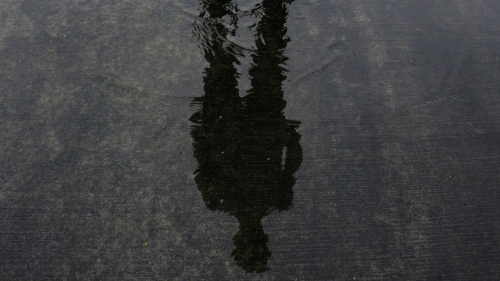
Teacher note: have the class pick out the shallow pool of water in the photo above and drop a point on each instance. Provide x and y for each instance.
(249, 140)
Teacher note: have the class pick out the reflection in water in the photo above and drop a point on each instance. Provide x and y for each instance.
(247, 151)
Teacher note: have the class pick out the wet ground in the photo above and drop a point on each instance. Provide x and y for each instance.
(249, 140)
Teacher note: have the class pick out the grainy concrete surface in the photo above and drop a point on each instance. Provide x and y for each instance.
(383, 137)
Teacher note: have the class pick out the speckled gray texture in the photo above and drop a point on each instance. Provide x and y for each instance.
(399, 104)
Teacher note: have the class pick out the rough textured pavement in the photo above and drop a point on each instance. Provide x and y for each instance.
(351, 140)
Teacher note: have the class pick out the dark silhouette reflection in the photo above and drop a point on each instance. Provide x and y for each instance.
(247, 151)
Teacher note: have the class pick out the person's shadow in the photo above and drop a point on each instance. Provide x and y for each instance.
(247, 150)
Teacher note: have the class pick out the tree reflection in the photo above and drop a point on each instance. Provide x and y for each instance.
(247, 150)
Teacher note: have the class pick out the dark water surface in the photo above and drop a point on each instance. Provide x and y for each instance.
(249, 140)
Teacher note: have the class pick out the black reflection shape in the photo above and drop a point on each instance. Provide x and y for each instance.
(247, 151)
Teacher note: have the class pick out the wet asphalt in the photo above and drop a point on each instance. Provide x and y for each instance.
(249, 140)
